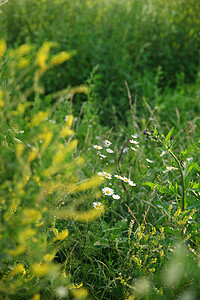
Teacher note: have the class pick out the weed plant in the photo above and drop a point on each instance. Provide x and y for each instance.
(145, 244)
(40, 175)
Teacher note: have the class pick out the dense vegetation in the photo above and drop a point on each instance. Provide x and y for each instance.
(100, 140)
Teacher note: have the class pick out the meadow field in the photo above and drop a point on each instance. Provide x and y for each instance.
(99, 149)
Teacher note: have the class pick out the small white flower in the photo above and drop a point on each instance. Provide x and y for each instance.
(52, 121)
(97, 205)
(109, 150)
(125, 150)
(101, 175)
(135, 136)
(116, 197)
(66, 118)
(107, 175)
(97, 147)
(133, 149)
(131, 183)
(149, 161)
(118, 177)
(62, 292)
(108, 191)
(125, 179)
(134, 142)
(101, 155)
(107, 143)
(163, 153)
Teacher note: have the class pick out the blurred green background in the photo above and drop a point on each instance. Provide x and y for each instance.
(153, 45)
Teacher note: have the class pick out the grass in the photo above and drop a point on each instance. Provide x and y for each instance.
(99, 192)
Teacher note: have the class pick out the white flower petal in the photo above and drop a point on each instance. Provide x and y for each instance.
(107, 143)
(134, 142)
(101, 155)
(109, 150)
(108, 191)
(134, 136)
(97, 147)
(116, 197)
(133, 149)
(118, 177)
(149, 161)
(97, 205)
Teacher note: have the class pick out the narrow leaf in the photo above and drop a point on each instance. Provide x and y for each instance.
(169, 135)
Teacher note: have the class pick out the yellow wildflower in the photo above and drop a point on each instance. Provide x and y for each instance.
(17, 251)
(49, 257)
(40, 269)
(61, 236)
(23, 49)
(17, 269)
(1, 99)
(41, 116)
(36, 297)
(60, 58)
(2, 48)
(80, 293)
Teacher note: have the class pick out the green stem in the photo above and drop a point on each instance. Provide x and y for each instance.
(182, 178)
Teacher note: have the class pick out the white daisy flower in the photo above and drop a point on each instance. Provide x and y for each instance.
(101, 155)
(134, 142)
(118, 177)
(108, 191)
(149, 161)
(134, 136)
(101, 175)
(131, 183)
(132, 148)
(107, 175)
(116, 197)
(109, 150)
(97, 205)
(125, 179)
(97, 147)
(107, 143)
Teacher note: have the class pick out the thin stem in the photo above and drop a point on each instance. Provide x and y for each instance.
(182, 178)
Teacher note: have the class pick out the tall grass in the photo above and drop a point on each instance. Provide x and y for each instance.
(129, 40)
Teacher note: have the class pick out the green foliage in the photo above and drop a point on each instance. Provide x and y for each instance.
(131, 231)
(39, 173)
(149, 44)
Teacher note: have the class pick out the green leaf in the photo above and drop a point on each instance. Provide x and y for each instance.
(169, 135)
(152, 185)
(183, 154)
(193, 165)
(194, 205)
(160, 188)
